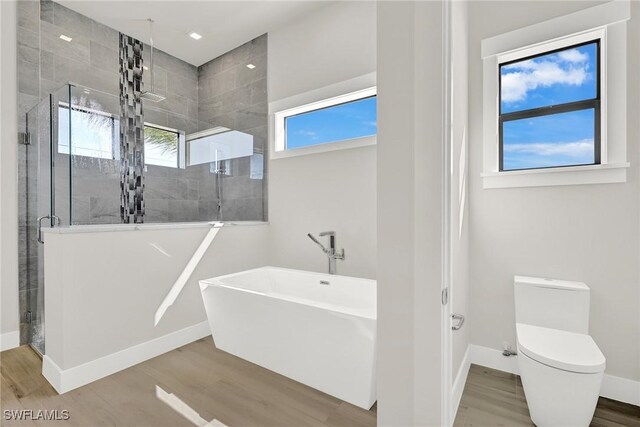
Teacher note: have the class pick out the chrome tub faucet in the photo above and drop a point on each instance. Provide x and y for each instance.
(331, 252)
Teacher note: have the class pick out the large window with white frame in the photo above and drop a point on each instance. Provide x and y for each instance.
(549, 108)
(555, 101)
(344, 121)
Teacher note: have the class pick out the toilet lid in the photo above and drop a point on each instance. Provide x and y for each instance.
(564, 350)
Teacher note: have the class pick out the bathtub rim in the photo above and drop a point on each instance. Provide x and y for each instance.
(216, 282)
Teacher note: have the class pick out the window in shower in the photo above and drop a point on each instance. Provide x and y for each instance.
(217, 147)
(162, 146)
(94, 133)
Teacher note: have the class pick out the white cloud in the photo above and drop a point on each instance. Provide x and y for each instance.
(572, 149)
(310, 134)
(573, 55)
(568, 67)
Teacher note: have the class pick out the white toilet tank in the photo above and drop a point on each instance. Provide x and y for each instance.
(550, 303)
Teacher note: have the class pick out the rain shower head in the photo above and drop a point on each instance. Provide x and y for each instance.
(150, 94)
(153, 97)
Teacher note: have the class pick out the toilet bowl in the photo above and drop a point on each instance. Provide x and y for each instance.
(560, 365)
(561, 374)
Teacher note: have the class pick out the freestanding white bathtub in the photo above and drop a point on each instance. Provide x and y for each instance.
(318, 329)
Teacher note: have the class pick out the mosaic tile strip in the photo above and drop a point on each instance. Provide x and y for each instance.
(131, 131)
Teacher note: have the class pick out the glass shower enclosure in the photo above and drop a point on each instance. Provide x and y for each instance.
(46, 201)
(71, 175)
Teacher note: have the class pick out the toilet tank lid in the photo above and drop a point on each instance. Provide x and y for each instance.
(550, 283)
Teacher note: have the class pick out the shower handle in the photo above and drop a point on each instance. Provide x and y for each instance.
(56, 222)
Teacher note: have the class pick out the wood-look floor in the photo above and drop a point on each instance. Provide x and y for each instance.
(496, 398)
(197, 384)
(192, 385)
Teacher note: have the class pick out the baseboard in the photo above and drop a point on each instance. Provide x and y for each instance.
(491, 358)
(9, 340)
(64, 380)
(621, 389)
(458, 383)
(616, 388)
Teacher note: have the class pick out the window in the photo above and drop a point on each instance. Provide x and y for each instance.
(93, 133)
(350, 120)
(161, 146)
(555, 101)
(550, 109)
(343, 121)
(96, 134)
(218, 144)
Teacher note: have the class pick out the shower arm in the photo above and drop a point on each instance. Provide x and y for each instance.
(151, 54)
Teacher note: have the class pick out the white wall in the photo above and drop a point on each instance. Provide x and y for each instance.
(583, 232)
(330, 191)
(459, 181)
(9, 324)
(410, 168)
(335, 43)
(334, 190)
(104, 288)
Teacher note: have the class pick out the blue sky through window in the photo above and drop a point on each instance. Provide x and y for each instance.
(562, 139)
(350, 120)
(555, 140)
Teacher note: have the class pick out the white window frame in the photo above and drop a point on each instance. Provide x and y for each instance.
(343, 92)
(607, 23)
(181, 148)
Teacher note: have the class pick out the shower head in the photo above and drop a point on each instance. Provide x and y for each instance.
(153, 97)
(150, 94)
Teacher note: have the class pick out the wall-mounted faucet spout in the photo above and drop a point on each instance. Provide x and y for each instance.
(325, 250)
(331, 252)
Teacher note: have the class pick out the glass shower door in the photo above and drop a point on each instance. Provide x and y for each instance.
(38, 205)
(47, 203)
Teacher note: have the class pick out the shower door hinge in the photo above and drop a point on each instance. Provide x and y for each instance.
(445, 296)
(24, 138)
(27, 316)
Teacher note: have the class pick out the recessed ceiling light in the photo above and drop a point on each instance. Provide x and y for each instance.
(251, 66)
(65, 38)
(195, 36)
(145, 67)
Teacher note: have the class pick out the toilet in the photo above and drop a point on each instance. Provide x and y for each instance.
(560, 365)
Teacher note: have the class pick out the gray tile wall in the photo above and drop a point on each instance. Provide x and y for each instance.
(222, 92)
(234, 96)
(46, 63)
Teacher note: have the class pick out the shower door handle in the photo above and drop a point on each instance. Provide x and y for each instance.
(54, 217)
(460, 319)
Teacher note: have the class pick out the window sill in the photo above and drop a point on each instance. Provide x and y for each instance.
(573, 175)
(324, 148)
